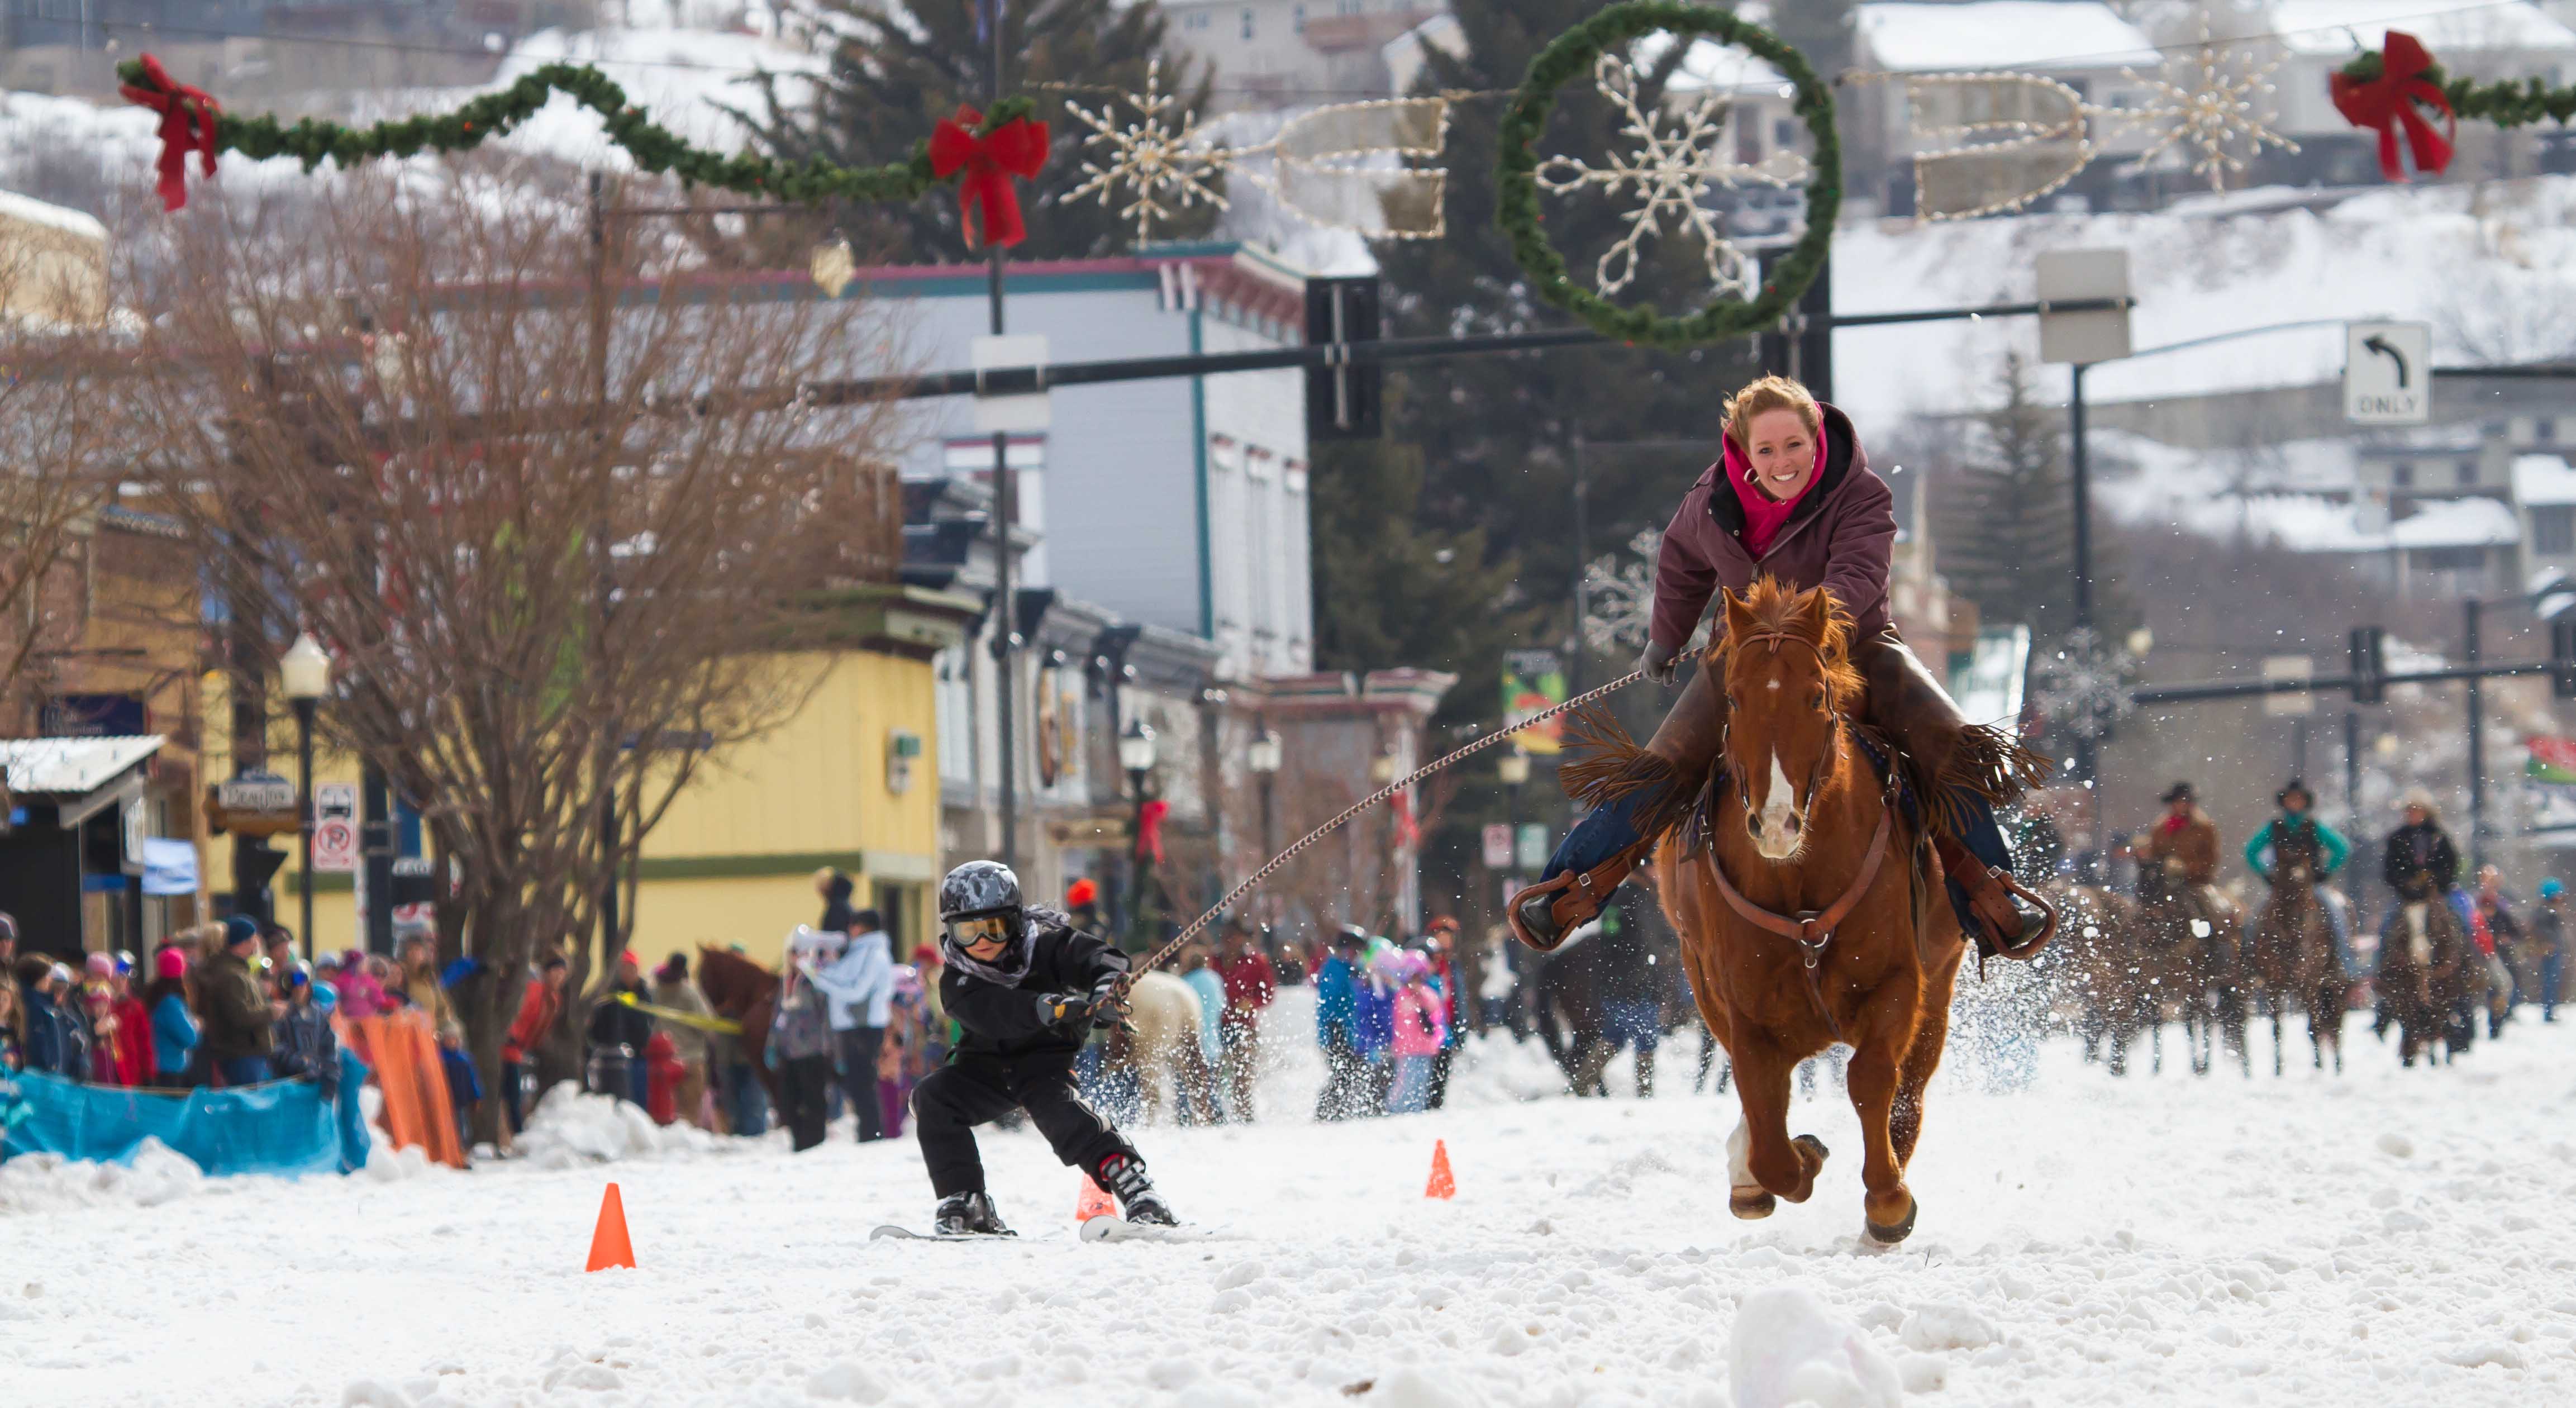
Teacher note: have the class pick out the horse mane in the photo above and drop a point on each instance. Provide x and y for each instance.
(1772, 608)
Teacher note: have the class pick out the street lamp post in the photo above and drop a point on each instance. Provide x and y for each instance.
(1136, 755)
(305, 672)
(1265, 755)
(1513, 768)
(1382, 772)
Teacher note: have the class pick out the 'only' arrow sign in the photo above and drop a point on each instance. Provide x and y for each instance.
(2379, 344)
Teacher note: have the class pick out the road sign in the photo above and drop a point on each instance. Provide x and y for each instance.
(335, 801)
(2387, 373)
(2065, 275)
(1534, 847)
(335, 847)
(1498, 846)
(253, 804)
(2294, 703)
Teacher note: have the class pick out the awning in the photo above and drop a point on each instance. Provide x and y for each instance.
(80, 776)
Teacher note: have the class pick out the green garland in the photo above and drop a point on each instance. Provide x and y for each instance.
(655, 148)
(2504, 103)
(1525, 121)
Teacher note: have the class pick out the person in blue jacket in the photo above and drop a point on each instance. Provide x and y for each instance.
(1374, 1017)
(2311, 850)
(52, 1043)
(1336, 1028)
(175, 1034)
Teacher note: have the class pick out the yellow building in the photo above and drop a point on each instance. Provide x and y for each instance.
(851, 780)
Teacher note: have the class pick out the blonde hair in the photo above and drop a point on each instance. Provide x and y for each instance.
(1771, 393)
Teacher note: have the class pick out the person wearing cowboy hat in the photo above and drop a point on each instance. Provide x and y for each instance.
(2419, 862)
(2184, 841)
(2295, 841)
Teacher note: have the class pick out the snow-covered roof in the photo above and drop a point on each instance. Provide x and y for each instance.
(1993, 34)
(2543, 479)
(2330, 27)
(72, 767)
(2313, 523)
(18, 209)
(1712, 67)
(2457, 523)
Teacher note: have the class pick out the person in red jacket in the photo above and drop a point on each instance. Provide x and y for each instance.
(1792, 498)
(1250, 983)
(539, 1006)
(135, 1058)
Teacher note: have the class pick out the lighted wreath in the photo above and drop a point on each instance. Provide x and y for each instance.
(1675, 159)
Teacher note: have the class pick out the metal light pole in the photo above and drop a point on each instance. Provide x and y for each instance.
(2477, 737)
(305, 672)
(1006, 512)
(1382, 772)
(1513, 770)
(1136, 755)
(1265, 755)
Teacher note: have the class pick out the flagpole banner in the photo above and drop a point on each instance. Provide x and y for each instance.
(1534, 681)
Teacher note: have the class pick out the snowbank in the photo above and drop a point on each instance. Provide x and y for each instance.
(572, 1126)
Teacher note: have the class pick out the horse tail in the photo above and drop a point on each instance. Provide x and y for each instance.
(1606, 764)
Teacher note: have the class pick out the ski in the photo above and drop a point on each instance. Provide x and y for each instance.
(891, 1230)
(1118, 1229)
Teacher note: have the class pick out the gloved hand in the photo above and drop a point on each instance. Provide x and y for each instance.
(1060, 1008)
(1659, 664)
(1108, 1005)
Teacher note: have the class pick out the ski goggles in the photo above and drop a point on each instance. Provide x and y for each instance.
(978, 931)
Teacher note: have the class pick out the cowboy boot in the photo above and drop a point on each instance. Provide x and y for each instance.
(1542, 915)
(2011, 922)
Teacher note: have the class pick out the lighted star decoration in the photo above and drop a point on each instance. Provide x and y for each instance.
(1673, 163)
(2215, 106)
(1159, 162)
(1619, 594)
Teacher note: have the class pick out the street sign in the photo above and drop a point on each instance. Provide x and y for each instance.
(2066, 275)
(1010, 415)
(335, 828)
(1498, 846)
(2387, 373)
(253, 804)
(1534, 848)
(2295, 703)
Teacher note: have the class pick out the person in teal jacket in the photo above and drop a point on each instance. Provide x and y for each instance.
(175, 1034)
(2296, 840)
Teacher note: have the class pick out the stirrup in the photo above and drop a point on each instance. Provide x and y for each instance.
(1579, 897)
(2030, 945)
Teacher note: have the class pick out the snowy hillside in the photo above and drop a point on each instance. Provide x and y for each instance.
(2492, 267)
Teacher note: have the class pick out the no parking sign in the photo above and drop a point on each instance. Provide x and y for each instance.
(335, 828)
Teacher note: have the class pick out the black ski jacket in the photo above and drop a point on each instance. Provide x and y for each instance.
(1003, 1021)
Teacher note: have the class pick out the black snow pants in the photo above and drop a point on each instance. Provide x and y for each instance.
(806, 1082)
(975, 1089)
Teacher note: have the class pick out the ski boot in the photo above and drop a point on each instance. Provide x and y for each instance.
(1124, 1175)
(968, 1215)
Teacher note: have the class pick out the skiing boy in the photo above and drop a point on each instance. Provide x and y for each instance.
(1025, 987)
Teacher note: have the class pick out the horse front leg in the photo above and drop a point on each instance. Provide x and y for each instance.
(1888, 1206)
(1763, 1161)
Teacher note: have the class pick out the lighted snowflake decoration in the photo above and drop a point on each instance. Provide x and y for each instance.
(1674, 163)
(2213, 107)
(1159, 165)
(2084, 686)
(1619, 594)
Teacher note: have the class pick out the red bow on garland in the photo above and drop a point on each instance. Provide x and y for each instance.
(1149, 828)
(2384, 103)
(1016, 148)
(187, 125)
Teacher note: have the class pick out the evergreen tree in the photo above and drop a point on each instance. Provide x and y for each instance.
(898, 68)
(2004, 520)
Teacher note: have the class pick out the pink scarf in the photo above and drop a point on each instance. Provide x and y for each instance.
(1765, 516)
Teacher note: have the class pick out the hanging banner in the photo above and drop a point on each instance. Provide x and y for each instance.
(2551, 760)
(1534, 681)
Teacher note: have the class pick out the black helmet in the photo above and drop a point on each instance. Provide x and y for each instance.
(978, 887)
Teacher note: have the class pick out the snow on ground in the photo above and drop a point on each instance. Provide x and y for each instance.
(2383, 1238)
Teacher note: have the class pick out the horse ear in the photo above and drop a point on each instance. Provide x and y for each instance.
(1739, 615)
(1816, 613)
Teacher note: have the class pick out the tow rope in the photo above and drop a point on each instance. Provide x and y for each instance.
(1195, 927)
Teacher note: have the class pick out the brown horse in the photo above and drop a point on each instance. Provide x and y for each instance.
(2423, 966)
(1810, 909)
(2116, 980)
(2294, 956)
(743, 991)
(2194, 934)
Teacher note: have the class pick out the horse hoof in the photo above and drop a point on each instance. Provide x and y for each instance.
(1888, 1236)
(1751, 1206)
(1814, 1146)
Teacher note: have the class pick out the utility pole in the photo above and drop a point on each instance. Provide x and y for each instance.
(2088, 758)
(1582, 554)
(1006, 512)
(2477, 740)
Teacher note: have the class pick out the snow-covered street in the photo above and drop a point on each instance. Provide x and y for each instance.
(2382, 1238)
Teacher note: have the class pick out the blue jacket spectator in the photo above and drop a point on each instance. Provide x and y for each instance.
(306, 1046)
(1336, 1003)
(52, 1043)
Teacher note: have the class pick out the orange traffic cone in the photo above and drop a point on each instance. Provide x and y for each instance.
(1094, 1202)
(1443, 1184)
(608, 1245)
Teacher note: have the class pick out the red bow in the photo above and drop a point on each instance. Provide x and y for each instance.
(1016, 148)
(2385, 102)
(187, 125)
(1149, 828)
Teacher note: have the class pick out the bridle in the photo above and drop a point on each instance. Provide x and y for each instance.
(1812, 929)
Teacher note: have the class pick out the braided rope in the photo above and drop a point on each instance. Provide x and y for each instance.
(1164, 955)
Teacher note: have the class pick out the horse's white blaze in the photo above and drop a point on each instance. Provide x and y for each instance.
(2419, 933)
(1739, 1156)
(1775, 840)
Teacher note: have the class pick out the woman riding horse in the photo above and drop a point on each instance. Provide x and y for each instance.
(2299, 944)
(1792, 498)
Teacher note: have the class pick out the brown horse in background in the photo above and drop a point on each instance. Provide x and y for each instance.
(1810, 908)
(2195, 935)
(2423, 968)
(2294, 956)
(2117, 981)
(745, 992)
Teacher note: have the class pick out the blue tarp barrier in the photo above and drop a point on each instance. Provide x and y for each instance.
(284, 1127)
